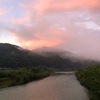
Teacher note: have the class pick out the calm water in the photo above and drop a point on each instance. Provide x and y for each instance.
(57, 87)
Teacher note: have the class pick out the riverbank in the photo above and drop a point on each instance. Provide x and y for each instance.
(22, 76)
(56, 87)
(90, 78)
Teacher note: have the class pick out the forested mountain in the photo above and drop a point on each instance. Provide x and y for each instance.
(12, 56)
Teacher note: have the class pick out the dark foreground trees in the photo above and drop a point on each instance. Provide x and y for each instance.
(23, 75)
(90, 78)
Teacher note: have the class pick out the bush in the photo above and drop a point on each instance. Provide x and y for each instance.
(90, 78)
(23, 75)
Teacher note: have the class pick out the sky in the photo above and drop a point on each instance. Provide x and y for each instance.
(72, 25)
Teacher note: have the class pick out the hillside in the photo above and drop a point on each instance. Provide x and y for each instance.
(12, 56)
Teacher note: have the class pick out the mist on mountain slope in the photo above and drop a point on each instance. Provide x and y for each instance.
(12, 56)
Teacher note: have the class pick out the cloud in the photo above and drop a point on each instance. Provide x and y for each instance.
(22, 20)
(3, 0)
(40, 43)
(73, 25)
(41, 35)
(56, 27)
(2, 11)
(90, 25)
(50, 6)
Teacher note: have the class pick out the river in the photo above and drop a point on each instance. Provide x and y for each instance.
(61, 86)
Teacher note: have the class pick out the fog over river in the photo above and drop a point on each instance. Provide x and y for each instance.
(61, 86)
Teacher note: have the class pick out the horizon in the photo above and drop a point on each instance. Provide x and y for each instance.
(70, 25)
(61, 52)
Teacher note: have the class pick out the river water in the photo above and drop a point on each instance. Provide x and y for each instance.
(56, 87)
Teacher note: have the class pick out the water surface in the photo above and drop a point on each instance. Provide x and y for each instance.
(56, 87)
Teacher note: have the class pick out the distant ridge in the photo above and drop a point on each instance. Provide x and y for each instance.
(12, 56)
(48, 51)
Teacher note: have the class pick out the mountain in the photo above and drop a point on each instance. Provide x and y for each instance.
(46, 51)
(12, 56)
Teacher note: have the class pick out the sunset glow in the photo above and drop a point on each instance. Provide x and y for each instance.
(73, 25)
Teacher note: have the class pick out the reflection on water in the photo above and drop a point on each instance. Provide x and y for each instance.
(57, 87)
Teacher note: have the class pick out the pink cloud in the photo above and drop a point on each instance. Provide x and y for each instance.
(22, 20)
(60, 5)
(2, 11)
(73, 25)
(31, 38)
(40, 41)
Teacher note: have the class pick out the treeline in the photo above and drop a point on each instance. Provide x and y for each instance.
(12, 56)
(22, 76)
(90, 78)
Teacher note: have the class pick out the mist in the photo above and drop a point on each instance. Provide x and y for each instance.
(68, 25)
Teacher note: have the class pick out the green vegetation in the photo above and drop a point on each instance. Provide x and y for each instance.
(90, 78)
(12, 56)
(22, 76)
